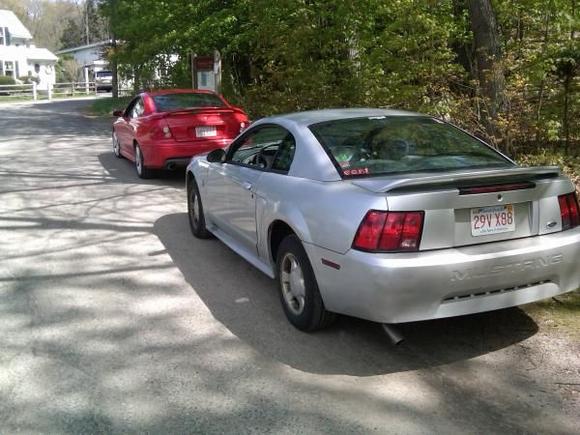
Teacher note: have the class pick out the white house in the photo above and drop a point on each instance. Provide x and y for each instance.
(19, 57)
(90, 57)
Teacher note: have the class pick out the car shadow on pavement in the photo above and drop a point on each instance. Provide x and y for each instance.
(124, 171)
(246, 302)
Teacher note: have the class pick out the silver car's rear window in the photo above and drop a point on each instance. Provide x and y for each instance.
(382, 145)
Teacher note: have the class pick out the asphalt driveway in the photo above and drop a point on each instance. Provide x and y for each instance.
(114, 319)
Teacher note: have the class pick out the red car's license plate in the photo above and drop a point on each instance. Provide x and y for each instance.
(492, 220)
(206, 131)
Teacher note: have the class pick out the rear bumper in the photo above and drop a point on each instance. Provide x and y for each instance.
(396, 288)
(163, 154)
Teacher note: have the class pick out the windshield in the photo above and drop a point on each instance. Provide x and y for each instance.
(104, 74)
(384, 145)
(169, 102)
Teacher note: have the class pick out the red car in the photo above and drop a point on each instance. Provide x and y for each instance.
(164, 129)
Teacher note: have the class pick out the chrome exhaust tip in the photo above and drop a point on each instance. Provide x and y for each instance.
(393, 333)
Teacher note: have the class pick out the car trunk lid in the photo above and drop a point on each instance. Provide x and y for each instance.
(202, 123)
(472, 207)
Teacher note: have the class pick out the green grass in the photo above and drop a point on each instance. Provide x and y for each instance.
(7, 99)
(105, 106)
(560, 314)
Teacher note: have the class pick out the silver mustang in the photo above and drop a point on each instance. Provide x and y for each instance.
(386, 215)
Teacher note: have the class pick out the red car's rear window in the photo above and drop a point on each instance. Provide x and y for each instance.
(171, 102)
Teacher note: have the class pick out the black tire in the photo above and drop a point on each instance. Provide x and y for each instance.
(195, 211)
(312, 316)
(142, 170)
(116, 146)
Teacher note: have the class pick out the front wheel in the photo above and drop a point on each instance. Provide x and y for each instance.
(299, 292)
(195, 212)
(142, 170)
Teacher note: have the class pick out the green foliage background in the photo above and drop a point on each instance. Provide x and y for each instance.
(293, 55)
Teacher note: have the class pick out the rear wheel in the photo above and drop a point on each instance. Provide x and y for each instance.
(116, 146)
(142, 170)
(299, 292)
(195, 212)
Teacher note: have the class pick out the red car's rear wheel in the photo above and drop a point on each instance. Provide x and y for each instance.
(142, 170)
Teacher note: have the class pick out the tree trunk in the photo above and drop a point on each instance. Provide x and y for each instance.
(565, 118)
(488, 59)
(114, 70)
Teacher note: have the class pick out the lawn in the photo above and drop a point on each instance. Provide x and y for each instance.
(561, 314)
(105, 106)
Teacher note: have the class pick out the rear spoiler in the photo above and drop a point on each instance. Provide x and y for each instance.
(426, 181)
(191, 110)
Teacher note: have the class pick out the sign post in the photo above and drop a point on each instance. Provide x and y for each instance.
(206, 71)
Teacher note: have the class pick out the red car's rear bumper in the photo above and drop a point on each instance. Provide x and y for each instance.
(167, 154)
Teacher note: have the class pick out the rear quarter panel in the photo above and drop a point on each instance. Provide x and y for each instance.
(326, 214)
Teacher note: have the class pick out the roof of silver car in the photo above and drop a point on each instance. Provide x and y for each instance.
(316, 116)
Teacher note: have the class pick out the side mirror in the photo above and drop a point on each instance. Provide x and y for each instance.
(118, 113)
(216, 156)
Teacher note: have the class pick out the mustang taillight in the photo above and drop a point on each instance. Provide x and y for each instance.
(569, 211)
(390, 231)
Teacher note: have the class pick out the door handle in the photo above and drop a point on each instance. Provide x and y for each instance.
(246, 185)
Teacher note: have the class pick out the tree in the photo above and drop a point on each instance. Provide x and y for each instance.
(72, 35)
(68, 69)
(489, 62)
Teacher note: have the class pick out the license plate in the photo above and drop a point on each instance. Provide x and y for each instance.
(206, 131)
(492, 220)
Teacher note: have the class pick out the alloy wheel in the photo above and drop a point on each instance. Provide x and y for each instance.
(293, 287)
(116, 146)
(138, 160)
(194, 209)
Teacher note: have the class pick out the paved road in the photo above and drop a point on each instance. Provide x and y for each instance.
(113, 319)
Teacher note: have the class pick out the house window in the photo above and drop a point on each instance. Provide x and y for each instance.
(2, 38)
(9, 68)
(36, 68)
(1, 68)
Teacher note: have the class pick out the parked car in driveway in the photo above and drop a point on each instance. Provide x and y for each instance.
(104, 81)
(386, 215)
(164, 129)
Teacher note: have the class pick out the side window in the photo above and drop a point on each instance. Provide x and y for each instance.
(138, 109)
(129, 109)
(285, 155)
(260, 147)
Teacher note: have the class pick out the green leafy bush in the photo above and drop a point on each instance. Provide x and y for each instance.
(5, 80)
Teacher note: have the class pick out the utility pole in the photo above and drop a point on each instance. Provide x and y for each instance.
(114, 66)
(88, 39)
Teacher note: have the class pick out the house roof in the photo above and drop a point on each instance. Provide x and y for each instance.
(15, 26)
(13, 52)
(84, 47)
(35, 53)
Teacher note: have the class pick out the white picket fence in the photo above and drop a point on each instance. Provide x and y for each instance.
(57, 90)
(70, 89)
(19, 91)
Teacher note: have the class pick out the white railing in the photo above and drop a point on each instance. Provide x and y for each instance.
(19, 91)
(70, 89)
(57, 90)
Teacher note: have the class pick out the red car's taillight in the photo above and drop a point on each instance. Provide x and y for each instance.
(569, 211)
(160, 130)
(390, 231)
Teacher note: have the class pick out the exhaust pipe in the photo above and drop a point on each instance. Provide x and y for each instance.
(393, 333)
(171, 166)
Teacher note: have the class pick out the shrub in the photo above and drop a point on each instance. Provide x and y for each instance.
(5, 80)
(28, 80)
